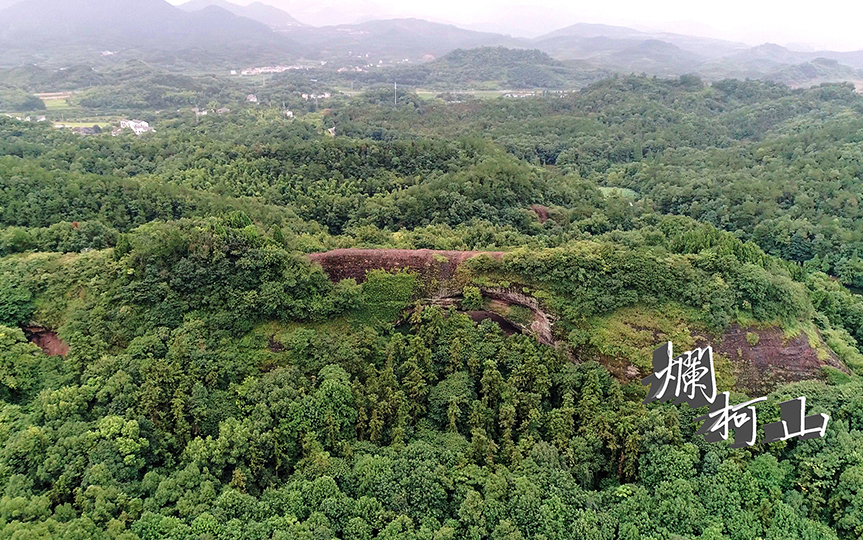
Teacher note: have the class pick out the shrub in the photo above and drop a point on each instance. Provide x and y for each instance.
(752, 338)
(472, 298)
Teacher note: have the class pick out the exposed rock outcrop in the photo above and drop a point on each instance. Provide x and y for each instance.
(341, 264)
(773, 359)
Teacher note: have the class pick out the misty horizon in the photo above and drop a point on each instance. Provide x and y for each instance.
(803, 31)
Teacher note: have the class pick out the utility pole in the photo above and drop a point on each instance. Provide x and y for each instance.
(395, 94)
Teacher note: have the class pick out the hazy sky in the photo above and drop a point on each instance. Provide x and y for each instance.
(834, 24)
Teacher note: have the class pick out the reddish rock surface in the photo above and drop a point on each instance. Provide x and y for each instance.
(758, 369)
(340, 264)
(773, 361)
(354, 263)
(541, 212)
(46, 340)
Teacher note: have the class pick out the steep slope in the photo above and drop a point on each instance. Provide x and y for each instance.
(273, 17)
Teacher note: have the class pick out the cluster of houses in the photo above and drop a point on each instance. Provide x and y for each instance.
(266, 70)
(307, 97)
(519, 94)
(205, 112)
(26, 118)
(138, 127)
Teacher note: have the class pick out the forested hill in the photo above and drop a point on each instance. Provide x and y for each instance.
(63, 32)
(749, 157)
(263, 13)
(220, 384)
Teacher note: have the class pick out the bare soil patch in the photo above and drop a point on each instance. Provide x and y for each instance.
(46, 340)
(541, 212)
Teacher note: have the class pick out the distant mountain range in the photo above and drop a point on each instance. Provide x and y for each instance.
(627, 37)
(394, 39)
(491, 67)
(273, 17)
(125, 23)
(217, 32)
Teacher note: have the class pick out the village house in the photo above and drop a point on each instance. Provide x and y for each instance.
(307, 97)
(139, 127)
(267, 69)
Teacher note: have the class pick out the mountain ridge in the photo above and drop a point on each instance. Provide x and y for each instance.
(37, 29)
(272, 16)
(396, 38)
(118, 23)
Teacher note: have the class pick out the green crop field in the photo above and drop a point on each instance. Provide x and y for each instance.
(56, 104)
(101, 123)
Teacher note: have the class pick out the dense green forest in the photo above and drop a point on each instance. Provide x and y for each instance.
(219, 385)
(485, 67)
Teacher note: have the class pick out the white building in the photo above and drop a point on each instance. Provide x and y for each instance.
(267, 69)
(139, 127)
(307, 97)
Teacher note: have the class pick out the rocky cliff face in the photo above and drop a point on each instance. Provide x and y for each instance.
(441, 267)
(762, 363)
(341, 264)
(760, 358)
